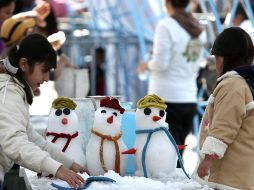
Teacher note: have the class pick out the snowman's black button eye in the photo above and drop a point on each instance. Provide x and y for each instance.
(58, 112)
(66, 111)
(162, 113)
(103, 111)
(147, 111)
(115, 114)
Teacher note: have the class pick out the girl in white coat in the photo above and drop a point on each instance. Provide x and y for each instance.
(23, 71)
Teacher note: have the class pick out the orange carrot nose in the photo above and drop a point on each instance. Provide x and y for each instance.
(156, 118)
(110, 119)
(64, 121)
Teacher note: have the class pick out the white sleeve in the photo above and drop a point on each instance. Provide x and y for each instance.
(54, 151)
(161, 49)
(14, 140)
(213, 145)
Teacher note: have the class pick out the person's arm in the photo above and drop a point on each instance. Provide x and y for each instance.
(54, 151)
(51, 148)
(161, 49)
(229, 110)
(40, 12)
(14, 139)
(16, 145)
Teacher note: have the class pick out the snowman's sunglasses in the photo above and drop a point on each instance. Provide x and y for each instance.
(66, 111)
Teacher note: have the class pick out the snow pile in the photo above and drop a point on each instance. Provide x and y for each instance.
(176, 182)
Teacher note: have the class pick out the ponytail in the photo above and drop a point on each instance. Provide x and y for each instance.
(13, 56)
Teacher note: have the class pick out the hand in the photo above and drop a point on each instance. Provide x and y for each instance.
(77, 168)
(56, 45)
(42, 10)
(141, 68)
(72, 178)
(204, 166)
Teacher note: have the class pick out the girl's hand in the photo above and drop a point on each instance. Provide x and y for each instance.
(42, 10)
(72, 178)
(204, 166)
(77, 168)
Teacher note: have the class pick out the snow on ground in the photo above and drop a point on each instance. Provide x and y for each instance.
(176, 182)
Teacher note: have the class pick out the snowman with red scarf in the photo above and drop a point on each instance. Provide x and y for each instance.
(62, 129)
(103, 151)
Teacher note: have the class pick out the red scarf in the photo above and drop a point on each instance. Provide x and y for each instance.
(62, 135)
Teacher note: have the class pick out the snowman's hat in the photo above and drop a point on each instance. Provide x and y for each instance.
(63, 102)
(111, 103)
(151, 100)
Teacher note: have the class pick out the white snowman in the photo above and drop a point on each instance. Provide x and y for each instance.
(62, 129)
(156, 152)
(105, 146)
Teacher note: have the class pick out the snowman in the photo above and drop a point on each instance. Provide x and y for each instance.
(156, 151)
(103, 151)
(62, 129)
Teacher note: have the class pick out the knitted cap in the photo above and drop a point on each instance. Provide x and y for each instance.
(112, 103)
(13, 29)
(63, 102)
(151, 100)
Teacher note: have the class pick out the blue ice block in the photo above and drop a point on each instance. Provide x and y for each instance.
(128, 129)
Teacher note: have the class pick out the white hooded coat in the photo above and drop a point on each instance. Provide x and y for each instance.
(19, 142)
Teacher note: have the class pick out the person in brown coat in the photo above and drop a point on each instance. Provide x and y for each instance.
(226, 131)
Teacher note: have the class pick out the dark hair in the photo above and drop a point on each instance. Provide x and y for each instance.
(179, 3)
(35, 48)
(100, 50)
(5, 3)
(235, 46)
(240, 11)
